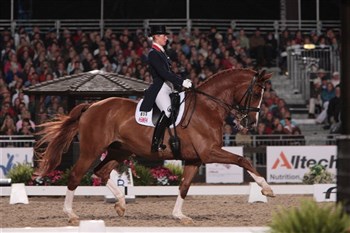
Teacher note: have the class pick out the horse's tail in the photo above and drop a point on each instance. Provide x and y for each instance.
(56, 137)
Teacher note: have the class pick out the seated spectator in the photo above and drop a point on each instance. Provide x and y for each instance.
(243, 40)
(270, 48)
(315, 97)
(268, 121)
(43, 117)
(107, 66)
(333, 112)
(61, 110)
(21, 96)
(335, 80)
(263, 110)
(60, 70)
(260, 129)
(326, 95)
(6, 108)
(26, 128)
(25, 115)
(290, 128)
(278, 129)
(228, 132)
(11, 67)
(7, 49)
(257, 47)
(287, 114)
(268, 86)
(320, 75)
(8, 125)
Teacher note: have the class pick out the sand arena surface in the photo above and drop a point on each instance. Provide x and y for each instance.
(206, 211)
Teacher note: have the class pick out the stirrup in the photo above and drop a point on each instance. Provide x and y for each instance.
(157, 147)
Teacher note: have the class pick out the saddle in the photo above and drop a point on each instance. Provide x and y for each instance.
(150, 118)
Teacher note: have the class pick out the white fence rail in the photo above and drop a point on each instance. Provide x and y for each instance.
(118, 25)
(159, 190)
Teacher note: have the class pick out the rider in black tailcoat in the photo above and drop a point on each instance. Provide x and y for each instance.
(164, 83)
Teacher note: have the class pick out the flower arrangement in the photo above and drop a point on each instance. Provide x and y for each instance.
(24, 173)
(164, 176)
(52, 178)
(142, 175)
(318, 175)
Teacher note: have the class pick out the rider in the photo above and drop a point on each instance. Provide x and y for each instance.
(164, 83)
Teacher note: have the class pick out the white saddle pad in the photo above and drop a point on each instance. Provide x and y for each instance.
(145, 118)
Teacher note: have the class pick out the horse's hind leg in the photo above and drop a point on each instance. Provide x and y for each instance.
(190, 171)
(77, 173)
(103, 170)
(219, 155)
(68, 207)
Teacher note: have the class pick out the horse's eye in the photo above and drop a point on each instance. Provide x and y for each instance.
(257, 95)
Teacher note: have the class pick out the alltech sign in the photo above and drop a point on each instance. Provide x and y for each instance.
(288, 164)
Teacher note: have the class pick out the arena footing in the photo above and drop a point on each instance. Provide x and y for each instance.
(143, 229)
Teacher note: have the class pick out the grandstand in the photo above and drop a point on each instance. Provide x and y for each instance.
(54, 47)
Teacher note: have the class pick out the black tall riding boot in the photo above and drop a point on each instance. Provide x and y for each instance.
(158, 135)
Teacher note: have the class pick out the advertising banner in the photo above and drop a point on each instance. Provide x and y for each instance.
(12, 156)
(225, 173)
(288, 164)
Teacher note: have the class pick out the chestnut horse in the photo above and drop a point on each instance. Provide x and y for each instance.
(110, 125)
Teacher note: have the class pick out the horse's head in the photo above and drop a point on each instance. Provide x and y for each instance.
(249, 98)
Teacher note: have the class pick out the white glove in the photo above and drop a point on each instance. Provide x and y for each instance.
(187, 83)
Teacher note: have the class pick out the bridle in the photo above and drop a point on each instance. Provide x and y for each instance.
(243, 109)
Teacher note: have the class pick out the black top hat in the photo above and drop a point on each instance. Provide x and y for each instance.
(158, 30)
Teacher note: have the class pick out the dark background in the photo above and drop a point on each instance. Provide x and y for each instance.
(166, 9)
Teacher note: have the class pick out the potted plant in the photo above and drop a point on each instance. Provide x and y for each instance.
(323, 182)
(312, 218)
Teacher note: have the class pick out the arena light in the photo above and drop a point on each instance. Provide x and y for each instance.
(309, 46)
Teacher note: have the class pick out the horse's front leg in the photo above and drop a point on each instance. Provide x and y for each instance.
(190, 171)
(218, 155)
(266, 189)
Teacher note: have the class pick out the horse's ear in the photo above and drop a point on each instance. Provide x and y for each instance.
(263, 76)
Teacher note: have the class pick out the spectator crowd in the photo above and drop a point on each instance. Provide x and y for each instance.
(31, 56)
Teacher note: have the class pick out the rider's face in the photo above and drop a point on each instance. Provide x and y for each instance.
(161, 39)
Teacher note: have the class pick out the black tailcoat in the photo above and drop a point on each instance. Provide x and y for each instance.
(160, 69)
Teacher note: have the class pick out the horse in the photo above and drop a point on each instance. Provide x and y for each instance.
(109, 125)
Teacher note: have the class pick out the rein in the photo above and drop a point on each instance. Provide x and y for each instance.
(242, 109)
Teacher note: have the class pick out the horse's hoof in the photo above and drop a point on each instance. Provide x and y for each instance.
(119, 209)
(74, 221)
(186, 221)
(268, 192)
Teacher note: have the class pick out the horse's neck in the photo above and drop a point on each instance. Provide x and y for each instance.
(223, 88)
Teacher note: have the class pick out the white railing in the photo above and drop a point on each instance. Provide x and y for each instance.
(159, 190)
(17, 141)
(302, 63)
(118, 25)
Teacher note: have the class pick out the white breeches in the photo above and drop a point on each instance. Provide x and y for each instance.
(323, 115)
(312, 104)
(163, 100)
